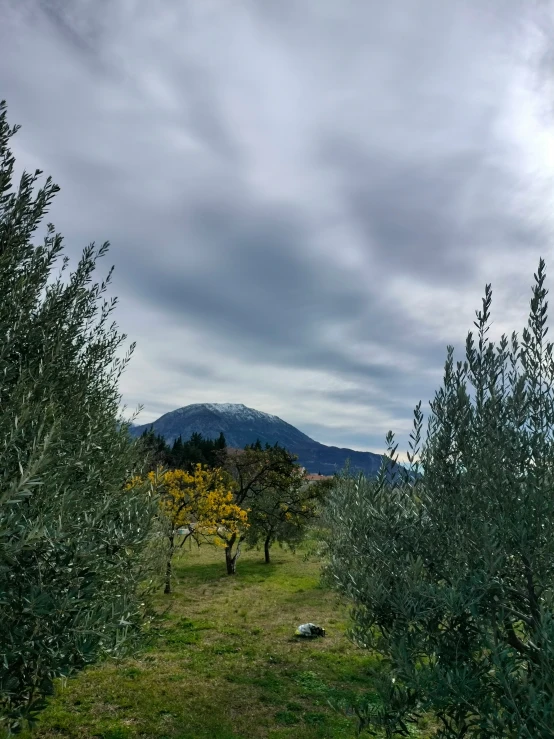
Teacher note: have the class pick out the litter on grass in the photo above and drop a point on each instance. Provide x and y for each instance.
(309, 630)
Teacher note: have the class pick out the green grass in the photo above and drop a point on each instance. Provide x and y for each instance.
(224, 663)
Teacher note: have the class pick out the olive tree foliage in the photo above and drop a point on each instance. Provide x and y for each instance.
(73, 571)
(451, 574)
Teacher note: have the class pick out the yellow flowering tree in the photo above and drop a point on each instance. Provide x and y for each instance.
(201, 505)
(230, 537)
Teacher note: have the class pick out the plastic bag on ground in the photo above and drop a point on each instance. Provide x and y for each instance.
(309, 630)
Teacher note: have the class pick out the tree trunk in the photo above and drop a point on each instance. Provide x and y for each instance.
(230, 561)
(230, 558)
(267, 544)
(167, 588)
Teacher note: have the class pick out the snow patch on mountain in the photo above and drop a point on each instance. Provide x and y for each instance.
(239, 410)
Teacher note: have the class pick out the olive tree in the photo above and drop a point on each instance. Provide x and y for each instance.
(284, 512)
(72, 537)
(451, 574)
(254, 475)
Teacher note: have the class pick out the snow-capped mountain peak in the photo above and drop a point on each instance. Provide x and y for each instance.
(238, 410)
(242, 425)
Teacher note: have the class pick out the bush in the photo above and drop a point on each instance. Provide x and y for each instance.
(72, 540)
(451, 575)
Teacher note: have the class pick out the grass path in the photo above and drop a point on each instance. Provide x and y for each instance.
(225, 663)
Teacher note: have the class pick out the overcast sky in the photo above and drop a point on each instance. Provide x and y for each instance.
(304, 198)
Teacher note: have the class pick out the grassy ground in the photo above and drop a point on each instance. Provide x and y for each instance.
(225, 663)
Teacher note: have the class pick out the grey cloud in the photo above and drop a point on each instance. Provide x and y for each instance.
(213, 146)
(416, 207)
(57, 12)
(204, 115)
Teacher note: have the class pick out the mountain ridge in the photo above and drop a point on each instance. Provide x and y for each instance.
(242, 425)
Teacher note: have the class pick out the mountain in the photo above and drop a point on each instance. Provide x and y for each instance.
(242, 425)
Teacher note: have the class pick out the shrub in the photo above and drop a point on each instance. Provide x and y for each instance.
(72, 539)
(451, 575)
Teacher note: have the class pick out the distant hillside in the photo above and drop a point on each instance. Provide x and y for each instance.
(242, 425)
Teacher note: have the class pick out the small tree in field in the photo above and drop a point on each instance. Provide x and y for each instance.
(201, 503)
(254, 474)
(451, 576)
(282, 512)
(72, 540)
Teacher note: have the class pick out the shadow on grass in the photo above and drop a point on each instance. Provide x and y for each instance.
(248, 572)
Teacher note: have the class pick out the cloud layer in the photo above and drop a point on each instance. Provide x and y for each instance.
(304, 200)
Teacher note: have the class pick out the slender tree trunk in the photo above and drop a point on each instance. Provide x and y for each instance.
(167, 588)
(230, 561)
(267, 544)
(230, 558)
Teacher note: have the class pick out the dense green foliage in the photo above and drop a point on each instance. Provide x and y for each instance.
(266, 481)
(452, 576)
(282, 510)
(71, 539)
(257, 476)
(182, 455)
